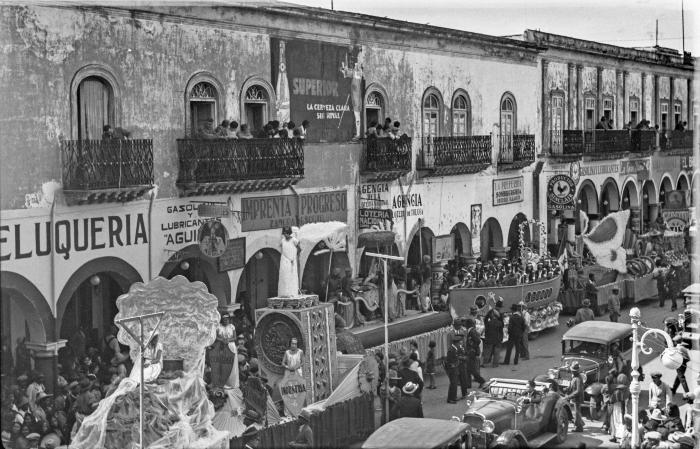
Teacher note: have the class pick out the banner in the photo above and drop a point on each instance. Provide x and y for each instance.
(321, 83)
(444, 248)
(560, 193)
(270, 212)
(293, 391)
(375, 218)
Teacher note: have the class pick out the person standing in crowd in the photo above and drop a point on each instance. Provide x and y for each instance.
(607, 392)
(464, 379)
(618, 399)
(584, 313)
(592, 289)
(614, 304)
(659, 392)
(36, 387)
(452, 368)
(473, 341)
(493, 325)
(575, 395)
(426, 275)
(660, 277)
(430, 365)
(407, 375)
(687, 411)
(409, 404)
(680, 371)
(392, 394)
(305, 436)
(77, 343)
(525, 342)
(516, 326)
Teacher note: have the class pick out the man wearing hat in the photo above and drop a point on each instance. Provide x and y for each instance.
(305, 437)
(33, 439)
(584, 313)
(409, 405)
(575, 395)
(656, 418)
(659, 392)
(493, 333)
(614, 304)
(524, 345)
(452, 367)
(591, 288)
(516, 327)
(251, 437)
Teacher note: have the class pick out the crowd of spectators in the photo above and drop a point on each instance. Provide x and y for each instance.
(388, 130)
(230, 129)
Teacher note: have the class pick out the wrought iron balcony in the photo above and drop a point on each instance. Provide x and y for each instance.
(676, 142)
(455, 155)
(386, 158)
(106, 170)
(516, 151)
(210, 166)
(603, 144)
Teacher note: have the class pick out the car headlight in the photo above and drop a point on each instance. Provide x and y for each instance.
(488, 426)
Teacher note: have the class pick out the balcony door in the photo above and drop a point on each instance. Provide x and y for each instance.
(256, 104)
(94, 107)
(431, 114)
(203, 98)
(507, 128)
(460, 116)
(664, 115)
(557, 123)
(589, 113)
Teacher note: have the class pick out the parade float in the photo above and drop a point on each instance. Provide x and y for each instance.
(540, 298)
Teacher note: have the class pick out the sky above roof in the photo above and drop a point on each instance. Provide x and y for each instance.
(626, 23)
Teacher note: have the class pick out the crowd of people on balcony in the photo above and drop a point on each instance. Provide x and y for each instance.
(230, 129)
(117, 133)
(606, 123)
(388, 130)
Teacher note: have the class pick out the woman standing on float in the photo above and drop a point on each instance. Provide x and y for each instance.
(288, 284)
(292, 357)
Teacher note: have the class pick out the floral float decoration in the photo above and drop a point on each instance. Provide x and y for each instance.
(605, 241)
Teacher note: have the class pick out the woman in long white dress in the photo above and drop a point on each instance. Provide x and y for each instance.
(288, 284)
(293, 357)
(152, 364)
(226, 332)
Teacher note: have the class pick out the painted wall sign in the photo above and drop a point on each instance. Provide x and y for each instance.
(410, 205)
(688, 163)
(662, 164)
(508, 190)
(213, 210)
(212, 237)
(634, 166)
(560, 193)
(180, 229)
(272, 212)
(375, 218)
(322, 83)
(443, 248)
(65, 237)
(676, 220)
(604, 169)
(234, 255)
(374, 196)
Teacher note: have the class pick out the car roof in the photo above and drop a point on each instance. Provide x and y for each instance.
(598, 331)
(410, 433)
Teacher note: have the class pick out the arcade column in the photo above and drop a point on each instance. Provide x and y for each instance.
(314, 329)
(653, 212)
(636, 219)
(45, 357)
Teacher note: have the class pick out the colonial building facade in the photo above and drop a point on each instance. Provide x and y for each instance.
(83, 218)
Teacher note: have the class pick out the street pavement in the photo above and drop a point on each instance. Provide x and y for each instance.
(545, 353)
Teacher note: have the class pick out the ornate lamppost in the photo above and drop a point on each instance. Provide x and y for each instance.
(671, 358)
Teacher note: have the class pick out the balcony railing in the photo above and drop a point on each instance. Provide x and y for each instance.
(106, 164)
(226, 160)
(387, 155)
(518, 149)
(676, 141)
(463, 152)
(598, 143)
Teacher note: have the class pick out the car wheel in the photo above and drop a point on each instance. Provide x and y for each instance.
(562, 425)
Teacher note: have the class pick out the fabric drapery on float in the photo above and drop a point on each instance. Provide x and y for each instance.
(376, 238)
(229, 417)
(442, 338)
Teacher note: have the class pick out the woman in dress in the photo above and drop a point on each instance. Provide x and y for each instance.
(152, 362)
(293, 357)
(288, 284)
(226, 333)
(617, 417)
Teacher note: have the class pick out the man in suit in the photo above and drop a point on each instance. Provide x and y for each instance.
(408, 375)
(575, 395)
(409, 405)
(493, 324)
(452, 368)
(516, 328)
(473, 352)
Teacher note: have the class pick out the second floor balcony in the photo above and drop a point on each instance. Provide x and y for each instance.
(677, 142)
(385, 158)
(454, 155)
(612, 144)
(516, 151)
(211, 166)
(106, 170)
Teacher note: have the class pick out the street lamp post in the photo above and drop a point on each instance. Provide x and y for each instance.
(671, 358)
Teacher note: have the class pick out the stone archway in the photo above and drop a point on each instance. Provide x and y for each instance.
(630, 201)
(650, 206)
(18, 294)
(258, 280)
(609, 198)
(683, 185)
(90, 295)
(666, 186)
(421, 244)
(491, 237)
(317, 267)
(463, 240)
(586, 201)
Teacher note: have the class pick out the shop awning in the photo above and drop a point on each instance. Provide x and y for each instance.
(376, 238)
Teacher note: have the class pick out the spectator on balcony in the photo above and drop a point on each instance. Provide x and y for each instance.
(643, 125)
(121, 134)
(680, 126)
(283, 134)
(107, 132)
(371, 130)
(629, 125)
(232, 129)
(297, 133)
(304, 128)
(291, 126)
(244, 132)
(395, 131)
(602, 124)
(611, 125)
(222, 130)
(207, 131)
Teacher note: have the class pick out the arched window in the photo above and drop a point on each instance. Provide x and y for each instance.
(461, 115)
(203, 105)
(374, 108)
(509, 115)
(95, 103)
(256, 107)
(432, 108)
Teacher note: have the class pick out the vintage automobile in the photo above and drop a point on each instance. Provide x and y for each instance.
(425, 433)
(499, 417)
(589, 344)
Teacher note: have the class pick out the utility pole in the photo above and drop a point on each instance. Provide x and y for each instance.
(683, 26)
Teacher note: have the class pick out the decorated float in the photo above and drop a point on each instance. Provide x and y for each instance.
(540, 298)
